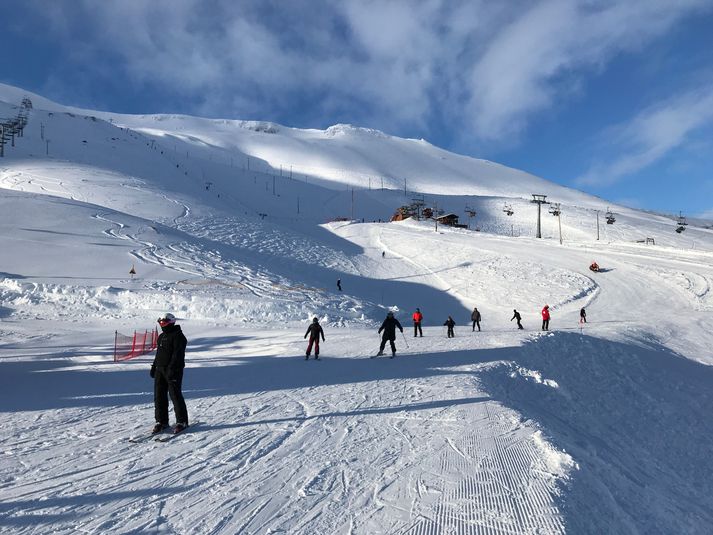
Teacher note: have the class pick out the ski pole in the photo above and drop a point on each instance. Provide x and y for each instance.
(405, 342)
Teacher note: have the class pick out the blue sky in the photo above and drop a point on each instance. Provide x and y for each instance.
(611, 97)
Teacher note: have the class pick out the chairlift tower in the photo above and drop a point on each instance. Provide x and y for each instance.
(539, 200)
(418, 202)
(471, 213)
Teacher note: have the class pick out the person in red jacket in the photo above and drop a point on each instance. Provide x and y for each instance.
(417, 319)
(546, 318)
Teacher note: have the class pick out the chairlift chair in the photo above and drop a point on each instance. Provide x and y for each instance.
(610, 217)
(508, 209)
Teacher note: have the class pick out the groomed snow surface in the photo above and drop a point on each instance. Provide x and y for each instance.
(603, 427)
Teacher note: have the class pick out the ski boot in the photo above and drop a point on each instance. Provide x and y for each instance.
(158, 428)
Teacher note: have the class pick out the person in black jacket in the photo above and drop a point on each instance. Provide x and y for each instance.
(167, 373)
(516, 316)
(582, 316)
(475, 316)
(450, 324)
(389, 327)
(314, 331)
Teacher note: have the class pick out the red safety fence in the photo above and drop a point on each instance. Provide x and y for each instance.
(128, 347)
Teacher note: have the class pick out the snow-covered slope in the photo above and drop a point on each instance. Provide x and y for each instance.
(590, 428)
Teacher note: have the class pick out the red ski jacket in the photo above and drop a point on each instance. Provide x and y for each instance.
(417, 317)
(545, 313)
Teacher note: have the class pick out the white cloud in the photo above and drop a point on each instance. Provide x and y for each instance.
(651, 135)
(479, 65)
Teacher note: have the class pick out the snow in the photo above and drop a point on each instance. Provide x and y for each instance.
(600, 427)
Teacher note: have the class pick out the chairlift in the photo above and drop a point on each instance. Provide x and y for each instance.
(610, 217)
(682, 223)
(555, 209)
(508, 209)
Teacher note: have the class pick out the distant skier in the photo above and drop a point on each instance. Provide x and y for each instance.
(314, 331)
(582, 316)
(383, 254)
(450, 324)
(339, 284)
(167, 373)
(389, 327)
(516, 316)
(475, 316)
(546, 318)
(417, 319)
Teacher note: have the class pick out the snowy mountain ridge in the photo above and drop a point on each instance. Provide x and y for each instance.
(242, 230)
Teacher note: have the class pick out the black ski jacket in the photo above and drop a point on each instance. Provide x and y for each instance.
(314, 331)
(171, 349)
(516, 316)
(389, 327)
(450, 323)
(475, 316)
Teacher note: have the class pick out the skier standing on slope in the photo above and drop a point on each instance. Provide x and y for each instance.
(450, 324)
(582, 316)
(546, 318)
(167, 373)
(339, 284)
(516, 316)
(389, 327)
(417, 319)
(475, 316)
(314, 331)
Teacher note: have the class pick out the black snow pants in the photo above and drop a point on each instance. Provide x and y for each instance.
(417, 328)
(383, 344)
(162, 389)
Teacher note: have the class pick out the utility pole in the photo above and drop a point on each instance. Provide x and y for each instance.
(298, 205)
(47, 150)
(597, 225)
(273, 184)
(559, 221)
(42, 131)
(539, 200)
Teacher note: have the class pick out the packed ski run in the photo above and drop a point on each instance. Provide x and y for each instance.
(600, 426)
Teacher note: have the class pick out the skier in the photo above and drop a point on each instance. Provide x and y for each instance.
(582, 316)
(389, 327)
(314, 331)
(516, 316)
(339, 284)
(167, 373)
(450, 324)
(475, 316)
(546, 318)
(383, 254)
(417, 319)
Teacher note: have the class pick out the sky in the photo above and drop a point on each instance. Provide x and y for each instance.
(614, 98)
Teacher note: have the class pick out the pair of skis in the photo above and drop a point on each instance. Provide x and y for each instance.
(159, 437)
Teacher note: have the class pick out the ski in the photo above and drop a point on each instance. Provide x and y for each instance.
(141, 438)
(171, 436)
(144, 438)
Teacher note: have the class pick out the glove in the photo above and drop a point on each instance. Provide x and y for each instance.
(152, 373)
